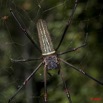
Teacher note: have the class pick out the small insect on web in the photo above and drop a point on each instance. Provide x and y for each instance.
(50, 58)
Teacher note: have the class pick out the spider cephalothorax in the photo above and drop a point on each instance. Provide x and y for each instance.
(51, 62)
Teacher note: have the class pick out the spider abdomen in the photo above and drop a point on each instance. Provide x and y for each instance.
(44, 38)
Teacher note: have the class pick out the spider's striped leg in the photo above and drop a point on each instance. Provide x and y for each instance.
(25, 82)
(74, 49)
(81, 71)
(66, 89)
(68, 24)
(23, 60)
(45, 84)
(21, 25)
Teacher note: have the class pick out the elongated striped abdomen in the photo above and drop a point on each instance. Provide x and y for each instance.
(44, 38)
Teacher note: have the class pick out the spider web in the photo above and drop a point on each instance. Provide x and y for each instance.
(88, 18)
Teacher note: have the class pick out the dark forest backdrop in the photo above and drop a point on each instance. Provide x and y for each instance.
(88, 18)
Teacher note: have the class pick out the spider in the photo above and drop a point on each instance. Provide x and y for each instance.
(50, 58)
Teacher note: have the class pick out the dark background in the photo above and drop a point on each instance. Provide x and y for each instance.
(88, 18)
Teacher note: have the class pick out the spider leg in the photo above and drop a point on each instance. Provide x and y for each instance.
(68, 24)
(23, 60)
(81, 71)
(65, 86)
(25, 82)
(45, 84)
(74, 49)
(17, 18)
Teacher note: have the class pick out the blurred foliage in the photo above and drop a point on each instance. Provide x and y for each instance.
(88, 18)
